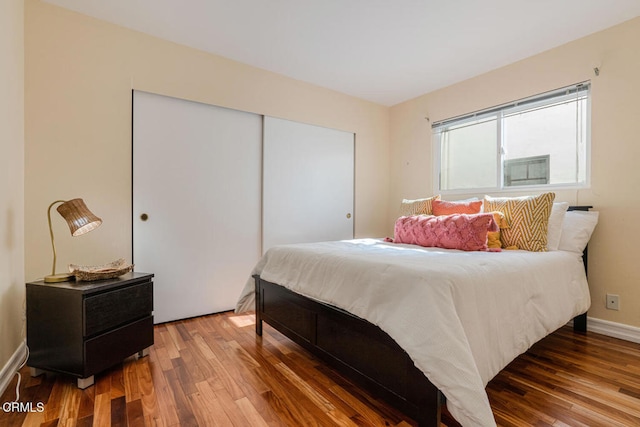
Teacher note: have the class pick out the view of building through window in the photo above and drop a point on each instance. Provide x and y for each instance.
(542, 140)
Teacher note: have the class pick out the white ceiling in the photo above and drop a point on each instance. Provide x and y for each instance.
(385, 51)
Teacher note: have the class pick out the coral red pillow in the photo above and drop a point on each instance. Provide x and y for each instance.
(442, 207)
(458, 231)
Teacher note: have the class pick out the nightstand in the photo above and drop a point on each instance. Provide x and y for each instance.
(83, 328)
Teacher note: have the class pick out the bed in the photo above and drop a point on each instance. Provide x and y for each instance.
(462, 338)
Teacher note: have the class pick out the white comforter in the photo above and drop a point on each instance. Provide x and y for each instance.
(461, 316)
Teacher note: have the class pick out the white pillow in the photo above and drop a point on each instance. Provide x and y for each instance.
(577, 229)
(554, 229)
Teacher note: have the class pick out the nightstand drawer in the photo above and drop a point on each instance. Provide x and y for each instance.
(105, 350)
(114, 308)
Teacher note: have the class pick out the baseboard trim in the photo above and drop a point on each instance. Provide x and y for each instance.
(613, 329)
(10, 368)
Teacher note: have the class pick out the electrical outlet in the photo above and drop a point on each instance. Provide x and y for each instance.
(613, 302)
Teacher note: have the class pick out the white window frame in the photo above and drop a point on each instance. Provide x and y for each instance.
(513, 107)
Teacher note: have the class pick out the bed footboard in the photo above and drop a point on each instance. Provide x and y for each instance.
(355, 347)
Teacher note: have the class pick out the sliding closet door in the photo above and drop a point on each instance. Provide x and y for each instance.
(308, 174)
(196, 202)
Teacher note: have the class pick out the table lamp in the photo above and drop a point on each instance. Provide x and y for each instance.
(80, 220)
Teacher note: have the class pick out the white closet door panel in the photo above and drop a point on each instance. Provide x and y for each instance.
(308, 186)
(196, 174)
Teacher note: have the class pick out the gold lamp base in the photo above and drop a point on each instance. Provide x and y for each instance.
(55, 278)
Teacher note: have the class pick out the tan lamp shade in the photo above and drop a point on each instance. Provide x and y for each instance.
(79, 218)
(80, 221)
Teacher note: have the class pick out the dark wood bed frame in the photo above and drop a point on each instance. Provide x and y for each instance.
(357, 348)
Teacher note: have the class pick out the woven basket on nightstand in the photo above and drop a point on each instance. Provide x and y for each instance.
(99, 272)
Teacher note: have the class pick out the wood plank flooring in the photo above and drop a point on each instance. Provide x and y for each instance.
(214, 371)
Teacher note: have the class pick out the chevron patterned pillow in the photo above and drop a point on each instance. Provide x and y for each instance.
(528, 219)
(417, 206)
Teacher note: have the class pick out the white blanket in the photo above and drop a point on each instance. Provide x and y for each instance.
(461, 316)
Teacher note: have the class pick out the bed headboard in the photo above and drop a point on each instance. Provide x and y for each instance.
(580, 321)
(584, 253)
(579, 208)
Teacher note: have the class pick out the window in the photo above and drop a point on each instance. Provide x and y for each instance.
(538, 141)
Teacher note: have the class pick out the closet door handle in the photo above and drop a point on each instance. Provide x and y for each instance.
(144, 217)
(349, 215)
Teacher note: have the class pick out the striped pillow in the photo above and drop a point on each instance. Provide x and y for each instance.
(528, 219)
(417, 206)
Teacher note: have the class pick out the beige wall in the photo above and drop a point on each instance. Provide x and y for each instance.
(615, 177)
(11, 177)
(79, 75)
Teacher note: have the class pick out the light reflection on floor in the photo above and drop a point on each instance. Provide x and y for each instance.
(243, 320)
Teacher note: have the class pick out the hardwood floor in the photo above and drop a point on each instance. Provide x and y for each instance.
(214, 370)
